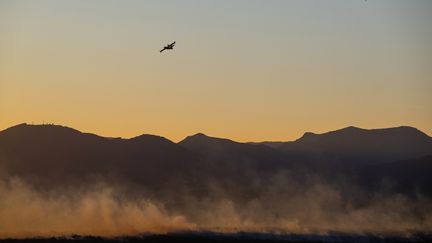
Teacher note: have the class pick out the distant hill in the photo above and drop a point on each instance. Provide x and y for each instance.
(361, 145)
(50, 153)
(221, 149)
(54, 156)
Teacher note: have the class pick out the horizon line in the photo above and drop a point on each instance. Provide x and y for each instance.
(211, 136)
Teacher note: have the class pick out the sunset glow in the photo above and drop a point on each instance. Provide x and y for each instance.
(248, 70)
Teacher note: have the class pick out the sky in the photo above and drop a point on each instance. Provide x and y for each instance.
(243, 69)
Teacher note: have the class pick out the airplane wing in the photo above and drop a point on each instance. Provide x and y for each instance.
(173, 43)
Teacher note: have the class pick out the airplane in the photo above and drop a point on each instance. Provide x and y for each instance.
(168, 47)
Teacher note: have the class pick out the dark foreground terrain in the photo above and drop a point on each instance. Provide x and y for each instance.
(235, 237)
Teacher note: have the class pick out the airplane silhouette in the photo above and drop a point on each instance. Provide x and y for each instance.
(168, 47)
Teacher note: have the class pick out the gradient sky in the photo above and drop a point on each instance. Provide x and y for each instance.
(248, 70)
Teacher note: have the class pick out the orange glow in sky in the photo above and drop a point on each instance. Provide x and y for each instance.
(247, 70)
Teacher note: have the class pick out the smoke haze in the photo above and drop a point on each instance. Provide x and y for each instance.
(282, 206)
(57, 181)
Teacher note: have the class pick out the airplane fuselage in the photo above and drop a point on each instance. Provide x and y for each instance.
(168, 47)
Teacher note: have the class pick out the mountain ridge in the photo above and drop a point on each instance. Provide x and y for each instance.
(52, 156)
(202, 135)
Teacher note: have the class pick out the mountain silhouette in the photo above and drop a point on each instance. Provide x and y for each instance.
(52, 156)
(361, 145)
(221, 149)
(207, 179)
(50, 153)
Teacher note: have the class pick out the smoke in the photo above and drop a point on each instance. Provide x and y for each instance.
(286, 205)
(281, 204)
(25, 212)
